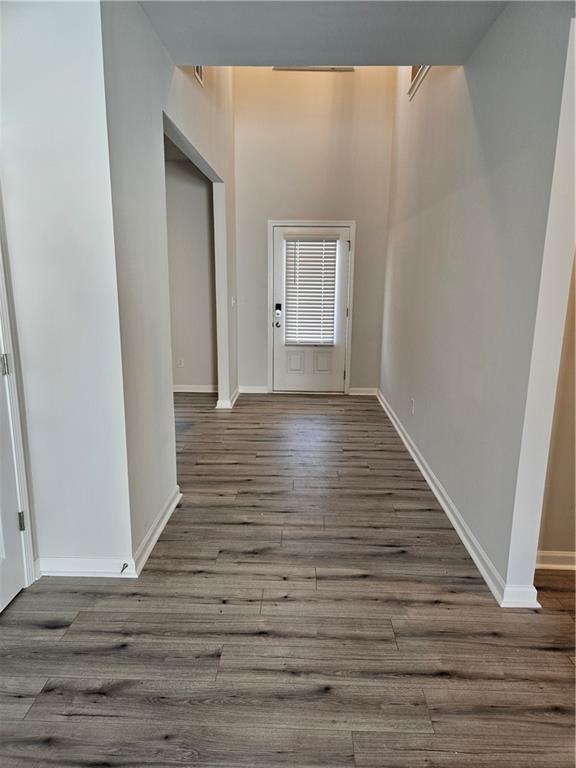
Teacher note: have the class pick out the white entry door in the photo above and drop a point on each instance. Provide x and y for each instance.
(310, 308)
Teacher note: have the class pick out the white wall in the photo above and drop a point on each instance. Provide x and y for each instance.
(312, 146)
(191, 268)
(58, 212)
(141, 83)
(206, 117)
(558, 534)
(474, 157)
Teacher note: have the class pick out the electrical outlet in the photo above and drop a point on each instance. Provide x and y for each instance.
(412, 405)
(180, 363)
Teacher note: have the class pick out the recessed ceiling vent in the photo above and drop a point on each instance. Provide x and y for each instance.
(314, 69)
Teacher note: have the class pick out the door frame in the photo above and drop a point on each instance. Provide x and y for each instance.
(7, 345)
(225, 301)
(272, 224)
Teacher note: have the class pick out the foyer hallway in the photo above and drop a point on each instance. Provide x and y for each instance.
(309, 605)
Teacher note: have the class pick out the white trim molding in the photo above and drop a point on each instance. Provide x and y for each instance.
(225, 301)
(15, 423)
(556, 560)
(508, 596)
(262, 389)
(227, 405)
(145, 547)
(196, 388)
(112, 567)
(519, 596)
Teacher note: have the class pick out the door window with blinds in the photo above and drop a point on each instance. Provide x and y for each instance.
(310, 284)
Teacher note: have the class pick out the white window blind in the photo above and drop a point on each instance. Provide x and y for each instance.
(310, 291)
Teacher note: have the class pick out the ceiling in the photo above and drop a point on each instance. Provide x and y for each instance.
(322, 32)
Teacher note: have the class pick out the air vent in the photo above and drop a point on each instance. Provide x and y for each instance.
(313, 69)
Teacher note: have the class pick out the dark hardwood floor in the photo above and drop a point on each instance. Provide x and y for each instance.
(309, 605)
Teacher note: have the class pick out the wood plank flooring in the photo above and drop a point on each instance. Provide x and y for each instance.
(309, 605)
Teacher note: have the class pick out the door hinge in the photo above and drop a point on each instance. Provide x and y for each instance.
(21, 521)
(349, 244)
(344, 374)
(347, 311)
(4, 367)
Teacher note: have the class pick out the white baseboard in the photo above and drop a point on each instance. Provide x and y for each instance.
(227, 405)
(86, 566)
(556, 560)
(112, 567)
(519, 596)
(508, 596)
(198, 388)
(262, 389)
(142, 553)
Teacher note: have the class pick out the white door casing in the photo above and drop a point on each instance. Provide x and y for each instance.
(310, 306)
(12, 571)
(17, 567)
